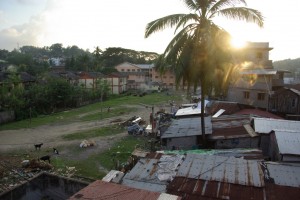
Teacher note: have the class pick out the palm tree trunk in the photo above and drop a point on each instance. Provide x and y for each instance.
(202, 116)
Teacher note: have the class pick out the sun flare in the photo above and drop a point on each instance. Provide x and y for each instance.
(238, 43)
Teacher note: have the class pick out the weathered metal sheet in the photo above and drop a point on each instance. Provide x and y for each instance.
(153, 174)
(113, 176)
(187, 127)
(266, 125)
(223, 169)
(282, 174)
(288, 142)
(194, 110)
(104, 190)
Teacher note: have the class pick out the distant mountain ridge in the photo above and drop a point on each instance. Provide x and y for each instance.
(291, 65)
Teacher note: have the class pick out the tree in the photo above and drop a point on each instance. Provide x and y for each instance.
(97, 58)
(200, 46)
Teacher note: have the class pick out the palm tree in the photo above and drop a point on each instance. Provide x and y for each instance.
(200, 47)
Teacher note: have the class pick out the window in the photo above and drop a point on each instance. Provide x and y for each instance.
(171, 77)
(122, 70)
(164, 77)
(246, 95)
(259, 55)
(156, 76)
(128, 70)
(293, 103)
(261, 96)
(133, 70)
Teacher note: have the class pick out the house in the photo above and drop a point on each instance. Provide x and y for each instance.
(142, 76)
(286, 101)
(285, 146)
(183, 133)
(22, 79)
(264, 126)
(258, 79)
(117, 82)
(90, 80)
(233, 131)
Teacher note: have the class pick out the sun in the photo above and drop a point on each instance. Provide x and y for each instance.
(238, 43)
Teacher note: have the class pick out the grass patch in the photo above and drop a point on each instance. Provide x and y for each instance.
(90, 167)
(104, 114)
(104, 131)
(121, 151)
(72, 115)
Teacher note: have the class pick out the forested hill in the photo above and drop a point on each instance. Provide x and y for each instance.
(291, 65)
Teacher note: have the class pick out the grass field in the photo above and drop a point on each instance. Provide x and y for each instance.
(95, 165)
(73, 114)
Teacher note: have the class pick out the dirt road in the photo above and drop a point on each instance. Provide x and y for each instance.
(50, 135)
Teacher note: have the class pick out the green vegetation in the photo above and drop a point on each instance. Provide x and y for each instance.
(93, 111)
(92, 166)
(104, 131)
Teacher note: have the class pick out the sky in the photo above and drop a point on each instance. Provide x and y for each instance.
(121, 23)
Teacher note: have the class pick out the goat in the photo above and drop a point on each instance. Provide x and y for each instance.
(44, 158)
(38, 146)
(55, 151)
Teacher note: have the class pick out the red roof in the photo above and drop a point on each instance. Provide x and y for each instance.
(104, 190)
(194, 189)
(229, 107)
(258, 112)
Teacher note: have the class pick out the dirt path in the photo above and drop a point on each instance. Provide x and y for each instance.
(50, 135)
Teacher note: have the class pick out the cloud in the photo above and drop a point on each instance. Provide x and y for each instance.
(21, 35)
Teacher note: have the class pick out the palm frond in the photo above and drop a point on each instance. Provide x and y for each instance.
(190, 4)
(186, 19)
(162, 23)
(243, 13)
(218, 5)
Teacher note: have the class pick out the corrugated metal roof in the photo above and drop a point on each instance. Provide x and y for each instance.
(229, 107)
(260, 72)
(223, 169)
(257, 113)
(230, 121)
(153, 174)
(104, 190)
(145, 66)
(187, 127)
(248, 154)
(288, 142)
(284, 174)
(191, 110)
(264, 125)
(194, 189)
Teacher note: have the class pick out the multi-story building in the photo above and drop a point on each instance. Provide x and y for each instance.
(144, 76)
(257, 78)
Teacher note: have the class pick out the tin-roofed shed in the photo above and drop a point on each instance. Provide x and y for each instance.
(182, 133)
(285, 146)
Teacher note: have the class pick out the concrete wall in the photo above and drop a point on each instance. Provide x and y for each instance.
(247, 142)
(45, 186)
(181, 143)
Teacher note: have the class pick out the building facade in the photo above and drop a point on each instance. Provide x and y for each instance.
(257, 79)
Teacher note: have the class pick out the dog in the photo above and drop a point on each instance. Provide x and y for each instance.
(45, 158)
(55, 151)
(38, 146)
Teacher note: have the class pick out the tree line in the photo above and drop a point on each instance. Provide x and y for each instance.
(47, 94)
